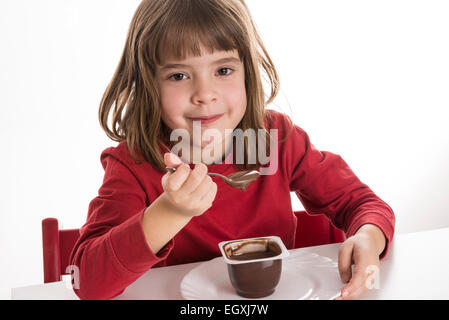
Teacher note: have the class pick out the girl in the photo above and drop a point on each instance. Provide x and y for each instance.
(198, 62)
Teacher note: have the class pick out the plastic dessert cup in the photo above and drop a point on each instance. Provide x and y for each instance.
(254, 264)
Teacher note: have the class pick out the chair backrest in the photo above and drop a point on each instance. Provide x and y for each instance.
(315, 230)
(57, 246)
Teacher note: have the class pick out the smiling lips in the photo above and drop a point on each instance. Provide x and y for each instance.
(207, 120)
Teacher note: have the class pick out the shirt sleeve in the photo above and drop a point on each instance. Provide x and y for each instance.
(112, 251)
(325, 184)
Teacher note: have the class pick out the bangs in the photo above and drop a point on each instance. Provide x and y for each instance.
(189, 25)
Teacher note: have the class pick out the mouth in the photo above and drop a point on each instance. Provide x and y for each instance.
(207, 119)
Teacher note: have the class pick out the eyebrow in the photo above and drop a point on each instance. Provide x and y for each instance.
(220, 61)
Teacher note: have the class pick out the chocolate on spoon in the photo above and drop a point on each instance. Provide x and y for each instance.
(239, 179)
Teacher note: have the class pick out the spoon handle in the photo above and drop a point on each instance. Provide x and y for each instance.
(217, 175)
(172, 170)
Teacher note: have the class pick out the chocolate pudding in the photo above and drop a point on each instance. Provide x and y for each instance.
(254, 265)
(253, 249)
(242, 179)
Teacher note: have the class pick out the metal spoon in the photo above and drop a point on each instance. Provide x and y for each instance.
(239, 179)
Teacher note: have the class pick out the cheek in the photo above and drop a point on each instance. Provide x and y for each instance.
(237, 100)
(171, 104)
(170, 98)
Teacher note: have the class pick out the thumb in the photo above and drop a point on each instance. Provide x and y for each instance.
(172, 160)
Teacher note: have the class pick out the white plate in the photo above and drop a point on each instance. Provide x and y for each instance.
(304, 276)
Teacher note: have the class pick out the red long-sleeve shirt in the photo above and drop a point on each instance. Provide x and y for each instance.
(112, 251)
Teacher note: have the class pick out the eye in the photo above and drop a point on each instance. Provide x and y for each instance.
(220, 71)
(176, 77)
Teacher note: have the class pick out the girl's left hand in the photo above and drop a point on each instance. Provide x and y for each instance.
(362, 250)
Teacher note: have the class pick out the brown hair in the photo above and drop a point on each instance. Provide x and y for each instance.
(180, 27)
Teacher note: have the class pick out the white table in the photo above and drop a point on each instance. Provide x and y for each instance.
(417, 267)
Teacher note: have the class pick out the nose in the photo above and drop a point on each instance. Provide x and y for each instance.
(204, 92)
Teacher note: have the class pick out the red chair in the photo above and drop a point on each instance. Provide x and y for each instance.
(315, 230)
(57, 246)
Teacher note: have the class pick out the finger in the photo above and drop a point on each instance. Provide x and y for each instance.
(357, 285)
(352, 292)
(164, 179)
(205, 192)
(203, 188)
(210, 196)
(209, 190)
(345, 261)
(196, 177)
(172, 160)
(174, 181)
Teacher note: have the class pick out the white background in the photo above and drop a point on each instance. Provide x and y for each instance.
(368, 80)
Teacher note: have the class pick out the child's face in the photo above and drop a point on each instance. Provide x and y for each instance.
(202, 87)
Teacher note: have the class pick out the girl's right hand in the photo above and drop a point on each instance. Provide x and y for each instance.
(191, 192)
